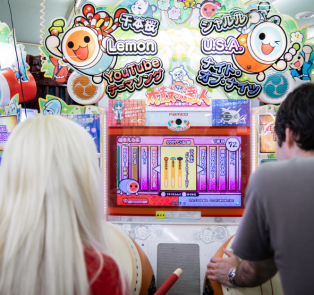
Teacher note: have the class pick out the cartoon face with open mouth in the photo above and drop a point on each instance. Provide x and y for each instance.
(298, 63)
(208, 10)
(80, 46)
(179, 76)
(83, 46)
(139, 7)
(268, 42)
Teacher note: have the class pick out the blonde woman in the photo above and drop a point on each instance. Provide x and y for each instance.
(51, 242)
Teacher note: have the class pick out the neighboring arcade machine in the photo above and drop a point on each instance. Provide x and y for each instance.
(28, 113)
(7, 124)
(14, 74)
(10, 86)
(90, 117)
(10, 116)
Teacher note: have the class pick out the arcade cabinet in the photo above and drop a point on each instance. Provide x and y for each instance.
(176, 186)
(179, 78)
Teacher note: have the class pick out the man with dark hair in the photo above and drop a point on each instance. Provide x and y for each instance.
(275, 233)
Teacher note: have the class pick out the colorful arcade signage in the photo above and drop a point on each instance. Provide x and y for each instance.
(226, 48)
(256, 41)
(90, 48)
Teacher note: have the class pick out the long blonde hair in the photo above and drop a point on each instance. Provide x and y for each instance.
(49, 184)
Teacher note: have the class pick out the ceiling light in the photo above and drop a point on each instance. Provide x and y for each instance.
(305, 15)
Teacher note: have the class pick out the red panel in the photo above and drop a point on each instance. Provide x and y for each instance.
(162, 204)
(29, 87)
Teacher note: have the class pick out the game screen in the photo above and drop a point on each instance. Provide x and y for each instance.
(91, 123)
(268, 136)
(7, 124)
(179, 171)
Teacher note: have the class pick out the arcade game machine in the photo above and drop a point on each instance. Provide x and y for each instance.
(14, 74)
(11, 76)
(7, 124)
(10, 116)
(179, 78)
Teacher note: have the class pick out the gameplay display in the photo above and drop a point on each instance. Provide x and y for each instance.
(266, 138)
(267, 133)
(180, 171)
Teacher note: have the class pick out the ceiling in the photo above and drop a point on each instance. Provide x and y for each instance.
(26, 15)
(293, 7)
(26, 18)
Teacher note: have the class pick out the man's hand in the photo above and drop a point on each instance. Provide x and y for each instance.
(219, 268)
(248, 274)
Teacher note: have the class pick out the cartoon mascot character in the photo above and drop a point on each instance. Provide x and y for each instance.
(265, 43)
(83, 46)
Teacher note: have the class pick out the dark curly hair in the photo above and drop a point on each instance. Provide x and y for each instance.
(297, 113)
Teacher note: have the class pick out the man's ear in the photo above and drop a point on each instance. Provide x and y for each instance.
(289, 137)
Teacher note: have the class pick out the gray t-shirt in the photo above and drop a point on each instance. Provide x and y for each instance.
(278, 222)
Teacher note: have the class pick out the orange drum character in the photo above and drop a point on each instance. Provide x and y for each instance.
(84, 45)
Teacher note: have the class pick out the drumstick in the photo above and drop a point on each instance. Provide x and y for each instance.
(173, 171)
(180, 171)
(165, 287)
(166, 171)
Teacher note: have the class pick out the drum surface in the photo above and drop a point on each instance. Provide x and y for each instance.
(131, 257)
(271, 287)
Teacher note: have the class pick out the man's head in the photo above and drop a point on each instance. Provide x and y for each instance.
(295, 124)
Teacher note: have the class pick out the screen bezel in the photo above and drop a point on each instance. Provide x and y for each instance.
(114, 132)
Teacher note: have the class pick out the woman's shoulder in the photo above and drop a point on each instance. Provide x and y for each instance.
(109, 280)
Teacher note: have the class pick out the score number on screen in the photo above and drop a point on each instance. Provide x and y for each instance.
(232, 144)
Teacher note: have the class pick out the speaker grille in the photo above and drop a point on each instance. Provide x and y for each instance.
(184, 256)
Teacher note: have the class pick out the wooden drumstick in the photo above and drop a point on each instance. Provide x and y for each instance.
(165, 287)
